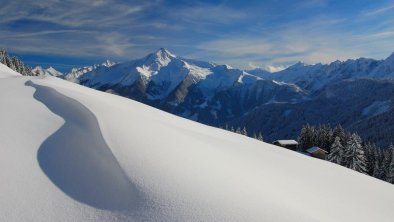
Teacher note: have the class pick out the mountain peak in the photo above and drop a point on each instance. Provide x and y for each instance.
(108, 63)
(163, 53)
(297, 65)
(49, 71)
(161, 58)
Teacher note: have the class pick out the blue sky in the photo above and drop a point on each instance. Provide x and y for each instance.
(244, 34)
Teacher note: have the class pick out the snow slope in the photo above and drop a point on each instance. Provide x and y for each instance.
(67, 156)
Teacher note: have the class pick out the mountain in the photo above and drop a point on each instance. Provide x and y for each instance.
(346, 102)
(75, 73)
(385, 68)
(77, 154)
(189, 88)
(315, 77)
(275, 104)
(38, 70)
(157, 75)
(262, 73)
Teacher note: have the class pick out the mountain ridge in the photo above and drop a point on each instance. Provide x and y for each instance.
(220, 95)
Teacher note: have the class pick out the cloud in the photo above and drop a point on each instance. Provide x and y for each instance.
(8, 35)
(207, 13)
(115, 43)
(323, 39)
(231, 32)
(237, 46)
(273, 69)
(380, 10)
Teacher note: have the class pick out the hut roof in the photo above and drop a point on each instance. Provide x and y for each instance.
(287, 142)
(315, 149)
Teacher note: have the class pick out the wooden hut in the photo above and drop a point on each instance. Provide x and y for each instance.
(317, 152)
(288, 144)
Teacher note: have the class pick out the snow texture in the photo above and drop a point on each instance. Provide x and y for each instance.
(70, 153)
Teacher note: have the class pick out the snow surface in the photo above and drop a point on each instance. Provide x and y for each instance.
(70, 153)
(287, 142)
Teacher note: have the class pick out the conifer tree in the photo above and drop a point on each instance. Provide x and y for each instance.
(370, 156)
(238, 130)
(260, 137)
(339, 132)
(336, 153)
(378, 172)
(390, 171)
(325, 138)
(244, 131)
(387, 165)
(306, 138)
(14, 63)
(355, 155)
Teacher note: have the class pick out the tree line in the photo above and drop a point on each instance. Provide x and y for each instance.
(348, 150)
(15, 63)
(243, 131)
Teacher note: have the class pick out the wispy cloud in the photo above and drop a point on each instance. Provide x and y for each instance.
(262, 33)
(380, 10)
(8, 35)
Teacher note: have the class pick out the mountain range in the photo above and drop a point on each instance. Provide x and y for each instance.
(355, 93)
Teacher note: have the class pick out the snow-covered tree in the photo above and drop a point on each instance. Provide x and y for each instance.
(388, 165)
(238, 130)
(354, 155)
(14, 63)
(260, 137)
(339, 132)
(336, 153)
(244, 131)
(306, 138)
(378, 171)
(370, 156)
(324, 134)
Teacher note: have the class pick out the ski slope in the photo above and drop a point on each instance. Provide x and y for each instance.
(70, 153)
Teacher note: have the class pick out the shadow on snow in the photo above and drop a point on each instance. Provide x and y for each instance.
(77, 159)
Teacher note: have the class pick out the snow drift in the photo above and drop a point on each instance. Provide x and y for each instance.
(70, 153)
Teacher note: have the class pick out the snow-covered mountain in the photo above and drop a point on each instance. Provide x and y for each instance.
(220, 95)
(72, 158)
(75, 73)
(365, 106)
(315, 77)
(189, 88)
(38, 70)
(160, 73)
(385, 68)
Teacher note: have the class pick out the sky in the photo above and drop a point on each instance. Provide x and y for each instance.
(270, 34)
